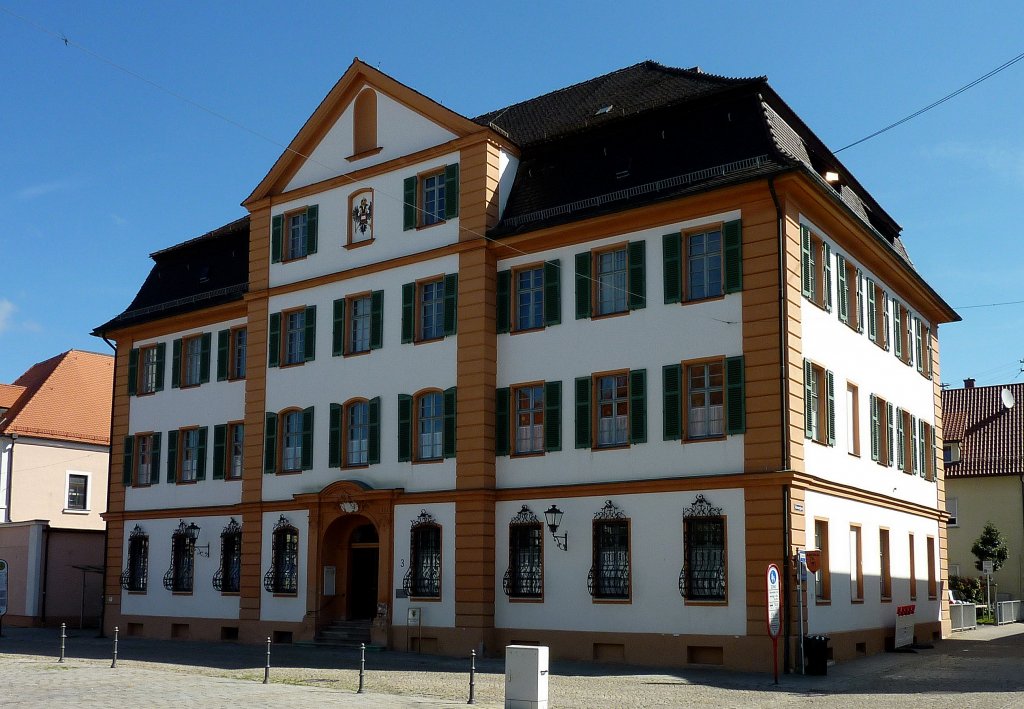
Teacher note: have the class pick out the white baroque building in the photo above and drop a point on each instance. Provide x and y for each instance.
(573, 372)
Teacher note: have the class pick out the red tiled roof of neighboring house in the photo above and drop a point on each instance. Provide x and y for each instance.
(991, 436)
(9, 394)
(66, 398)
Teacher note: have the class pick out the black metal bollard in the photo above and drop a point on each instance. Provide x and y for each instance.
(63, 635)
(362, 666)
(266, 670)
(113, 664)
(472, 677)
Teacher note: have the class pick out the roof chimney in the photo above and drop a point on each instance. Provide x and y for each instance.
(968, 383)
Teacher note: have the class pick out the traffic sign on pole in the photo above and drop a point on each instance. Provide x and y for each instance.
(773, 611)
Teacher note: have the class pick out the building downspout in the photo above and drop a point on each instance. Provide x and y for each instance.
(784, 418)
(8, 497)
(106, 527)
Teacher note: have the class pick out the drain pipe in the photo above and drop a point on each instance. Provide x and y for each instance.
(106, 525)
(784, 418)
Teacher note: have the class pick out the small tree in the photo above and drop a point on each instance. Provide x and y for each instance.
(990, 546)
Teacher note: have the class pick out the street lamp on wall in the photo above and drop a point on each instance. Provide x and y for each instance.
(553, 516)
(192, 530)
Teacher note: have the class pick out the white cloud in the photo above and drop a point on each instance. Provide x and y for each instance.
(43, 188)
(7, 309)
(1000, 158)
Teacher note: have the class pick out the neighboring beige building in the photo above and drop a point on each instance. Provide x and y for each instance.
(984, 454)
(54, 457)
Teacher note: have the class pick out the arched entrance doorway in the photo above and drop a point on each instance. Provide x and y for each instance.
(362, 573)
(351, 569)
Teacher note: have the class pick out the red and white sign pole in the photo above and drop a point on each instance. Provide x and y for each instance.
(773, 606)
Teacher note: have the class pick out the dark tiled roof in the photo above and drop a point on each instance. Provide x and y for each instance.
(208, 270)
(626, 91)
(991, 436)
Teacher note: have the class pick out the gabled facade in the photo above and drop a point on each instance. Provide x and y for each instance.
(635, 305)
(54, 457)
(984, 459)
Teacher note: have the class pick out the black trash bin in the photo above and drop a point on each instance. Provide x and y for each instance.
(816, 654)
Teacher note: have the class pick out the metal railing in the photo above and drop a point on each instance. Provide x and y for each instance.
(1008, 612)
(964, 616)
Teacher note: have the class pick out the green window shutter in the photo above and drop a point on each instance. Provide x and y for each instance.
(309, 342)
(172, 457)
(274, 340)
(735, 397)
(201, 454)
(176, 364)
(154, 476)
(889, 433)
(220, 441)
(270, 444)
(900, 441)
(583, 285)
(205, 352)
(826, 286)
(409, 208)
(830, 387)
(637, 258)
(552, 293)
(501, 414)
(872, 318)
(451, 301)
(552, 416)
(276, 233)
(885, 320)
(338, 329)
(451, 191)
(307, 438)
(672, 405)
(806, 263)
(376, 319)
(133, 370)
(334, 438)
(638, 406)
(860, 301)
(408, 312)
(808, 399)
(583, 386)
(502, 316)
(875, 429)
(223, 338)
(161, 362)
(919, 358)
(844, 305)
(450, 423)
(373, 432)
(672, 266)
(915, 441)
(129, 461)
(732, 238)
(312, 218)
(404, 428)
(897, 321)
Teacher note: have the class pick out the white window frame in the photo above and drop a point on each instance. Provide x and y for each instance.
(67, 491)
(954, 503)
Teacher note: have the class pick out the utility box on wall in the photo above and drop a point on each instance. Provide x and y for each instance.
(526, 677)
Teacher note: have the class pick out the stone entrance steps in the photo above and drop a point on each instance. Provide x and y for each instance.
(344, 633)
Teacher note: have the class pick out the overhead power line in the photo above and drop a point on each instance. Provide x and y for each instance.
(988, 305)
(941, 101)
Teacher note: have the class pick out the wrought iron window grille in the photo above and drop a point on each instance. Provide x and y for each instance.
(703, 575)
(283, 576)
(135, 575)
(228, 576)
(180, 576)
(610, 573)
(423, 579)
(524, 577)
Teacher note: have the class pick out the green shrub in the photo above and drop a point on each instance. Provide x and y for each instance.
(969, 589)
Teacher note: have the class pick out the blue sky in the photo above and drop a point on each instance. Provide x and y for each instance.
(100, 168)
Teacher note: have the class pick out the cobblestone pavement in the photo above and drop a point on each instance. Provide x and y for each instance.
(980, 669)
